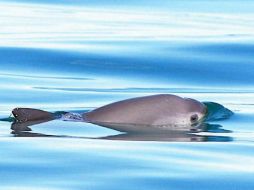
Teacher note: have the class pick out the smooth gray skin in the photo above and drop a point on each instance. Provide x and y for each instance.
(155, 111)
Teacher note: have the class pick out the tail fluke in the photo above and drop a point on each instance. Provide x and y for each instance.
(29, 114)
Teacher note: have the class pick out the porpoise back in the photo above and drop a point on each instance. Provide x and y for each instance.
(155, 110)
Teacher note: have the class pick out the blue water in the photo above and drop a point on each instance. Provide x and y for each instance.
(79, 55)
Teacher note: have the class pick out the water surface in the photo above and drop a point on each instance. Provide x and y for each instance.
(79, 55)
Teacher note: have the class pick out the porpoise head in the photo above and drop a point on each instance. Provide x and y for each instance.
(196, 111)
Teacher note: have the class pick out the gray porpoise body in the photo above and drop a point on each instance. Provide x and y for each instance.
(156, 110)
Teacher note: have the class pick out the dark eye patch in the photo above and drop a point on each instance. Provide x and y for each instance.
(194, 118)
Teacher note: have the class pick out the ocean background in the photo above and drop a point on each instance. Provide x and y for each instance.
(78, 55)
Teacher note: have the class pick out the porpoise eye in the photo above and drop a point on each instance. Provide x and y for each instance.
(194, 118)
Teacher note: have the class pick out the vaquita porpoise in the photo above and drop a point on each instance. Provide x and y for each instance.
(156, 110)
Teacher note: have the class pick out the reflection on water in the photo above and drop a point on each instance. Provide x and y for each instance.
(169, 133)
